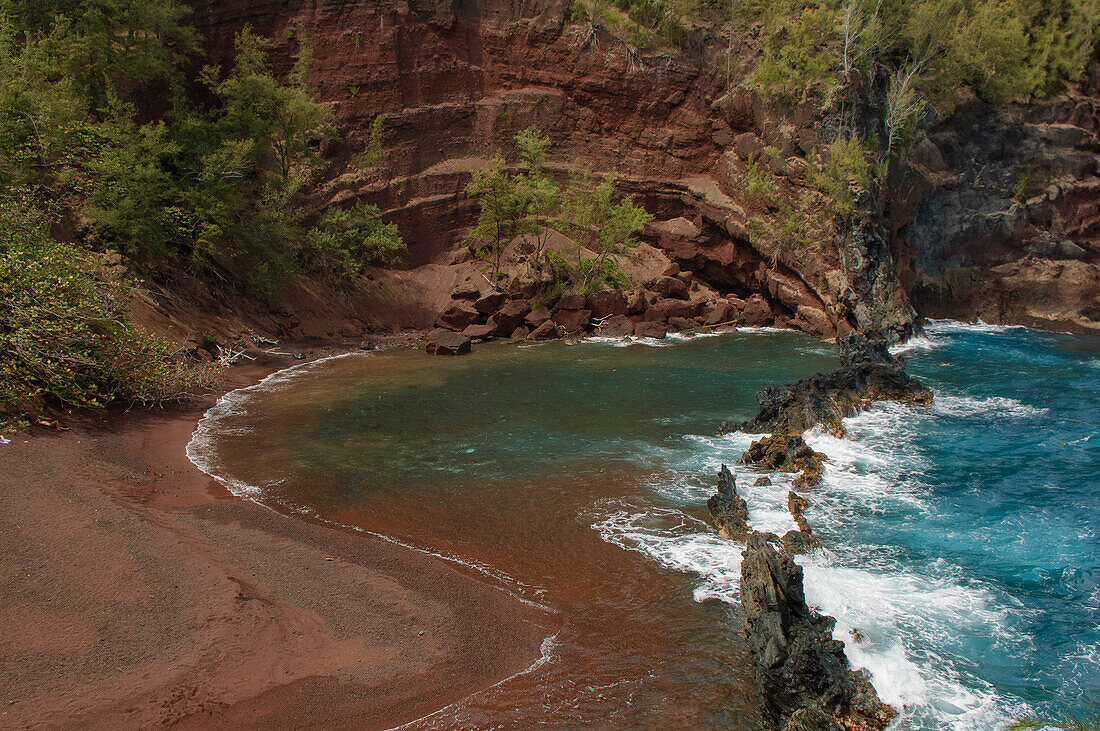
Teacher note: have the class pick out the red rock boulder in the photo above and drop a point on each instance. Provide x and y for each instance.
(446, 342)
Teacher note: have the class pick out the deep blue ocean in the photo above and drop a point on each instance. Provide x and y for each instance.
(962, 539)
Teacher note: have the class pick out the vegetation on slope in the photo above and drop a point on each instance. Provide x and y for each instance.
(101, 144)
(529, 204)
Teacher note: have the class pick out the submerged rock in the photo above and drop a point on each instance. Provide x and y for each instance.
(727, 508)
(803, 680)
(868, 373)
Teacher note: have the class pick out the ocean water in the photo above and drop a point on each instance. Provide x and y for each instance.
(962, 539)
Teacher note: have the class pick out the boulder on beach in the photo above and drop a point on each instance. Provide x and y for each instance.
(446, 342)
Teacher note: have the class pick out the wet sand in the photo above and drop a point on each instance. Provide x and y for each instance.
(135, 590)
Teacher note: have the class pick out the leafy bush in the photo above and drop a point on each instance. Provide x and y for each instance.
(65, 333)
(843, 166)
(757, 183)
(347, 239)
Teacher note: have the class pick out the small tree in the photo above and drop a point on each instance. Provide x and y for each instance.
(540, 191)
(279, 118)
(505, 206)
(347, 239)
(599, 223)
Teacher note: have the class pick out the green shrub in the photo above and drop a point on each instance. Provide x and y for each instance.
(756, 227)
(757, 183)
(65, 333)
(843, 166)
(347, 239)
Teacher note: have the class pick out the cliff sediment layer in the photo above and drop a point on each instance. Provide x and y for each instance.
(994, 214)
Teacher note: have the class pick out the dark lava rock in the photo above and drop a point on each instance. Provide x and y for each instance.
(796, 504)
(796, 541)
(867, 373)
(650, 330)
(802, 673)
(446, 342)
(727, 508)
(457, 316)
(786, 453)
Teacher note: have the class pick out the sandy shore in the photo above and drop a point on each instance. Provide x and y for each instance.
(135, 591)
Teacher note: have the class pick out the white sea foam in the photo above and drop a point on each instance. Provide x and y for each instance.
(761, 329)
(965, 406)
(949, 326)
(908, 619)
(917, 342)
(680, 542)
(218, 420)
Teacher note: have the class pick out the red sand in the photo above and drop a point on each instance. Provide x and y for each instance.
(134, 591)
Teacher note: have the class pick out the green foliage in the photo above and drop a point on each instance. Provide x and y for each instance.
(503, 215)
(758, 185)
(124, 47)
(599, 222)
(530, 204)
(1005, 50)
(371, 154)
(65, 334)
(756, 227)
(1019, 188)
(347, 239)
(280, 119)
(796, 56)
(843, 166)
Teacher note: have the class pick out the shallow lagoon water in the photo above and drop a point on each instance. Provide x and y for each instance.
(963, 539)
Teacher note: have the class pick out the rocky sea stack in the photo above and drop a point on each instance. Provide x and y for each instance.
(803, 681)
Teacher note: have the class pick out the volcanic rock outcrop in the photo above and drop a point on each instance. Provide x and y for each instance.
(786, 453)
(803, 680)
(868, 373)
(728, 509)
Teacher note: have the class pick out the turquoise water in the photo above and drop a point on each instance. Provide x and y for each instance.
(961, 539)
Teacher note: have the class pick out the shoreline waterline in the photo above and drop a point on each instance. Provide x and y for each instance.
(858, 489)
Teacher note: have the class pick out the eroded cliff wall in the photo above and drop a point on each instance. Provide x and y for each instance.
(953, 230)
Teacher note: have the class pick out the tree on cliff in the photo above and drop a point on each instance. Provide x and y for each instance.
(599, 223)
(530, 204)
(505, 205)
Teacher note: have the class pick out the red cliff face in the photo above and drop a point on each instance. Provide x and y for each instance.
(456, 80)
